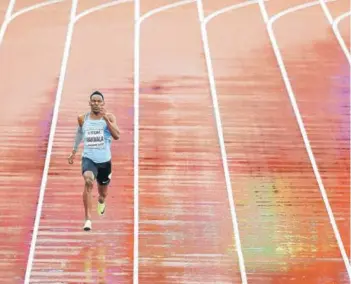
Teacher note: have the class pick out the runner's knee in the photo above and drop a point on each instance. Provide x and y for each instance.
(102, 190)
(89, 180)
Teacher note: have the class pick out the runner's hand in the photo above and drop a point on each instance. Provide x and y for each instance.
(104, 113)
(71, 157)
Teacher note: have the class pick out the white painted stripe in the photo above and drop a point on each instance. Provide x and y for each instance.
(294, 9)
(339, 37)
(220, 134)
(64, 63)
(326, 11)
(228, 9)
(164, 8)
(6, 21)
(136, 138)
(10, 17)
(100, 7)
(300, 121)
(69, 37)
(138, 20)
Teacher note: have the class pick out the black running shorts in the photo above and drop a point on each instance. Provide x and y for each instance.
(102, 171)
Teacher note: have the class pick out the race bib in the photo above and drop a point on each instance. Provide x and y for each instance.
(94, 138)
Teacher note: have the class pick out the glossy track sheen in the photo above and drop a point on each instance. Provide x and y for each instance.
(185, 222)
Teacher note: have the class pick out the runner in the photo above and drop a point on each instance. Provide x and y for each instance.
(96, 128)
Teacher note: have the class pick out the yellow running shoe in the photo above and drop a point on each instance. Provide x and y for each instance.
(101, 208)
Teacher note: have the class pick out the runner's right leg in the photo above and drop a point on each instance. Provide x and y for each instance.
(87, 198)
(89, 171)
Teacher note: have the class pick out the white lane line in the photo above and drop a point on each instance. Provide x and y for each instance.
(10, 17)
(136, 138)
(34, 7)
(100, 7)
(300, 121)
(6, 21)
(334, 24)
(138, 20)
(228, 9)
(326, 11)
(293, 9)
(263, 11)
(164, 8)
(63, 70)
(339, 37)
(204, 21)
(51, 139)
(10, 9)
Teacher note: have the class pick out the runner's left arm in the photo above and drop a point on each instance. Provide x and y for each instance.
(112, 126)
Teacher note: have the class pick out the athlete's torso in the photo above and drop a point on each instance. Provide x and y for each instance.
(97, 140)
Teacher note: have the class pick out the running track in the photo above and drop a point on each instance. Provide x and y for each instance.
(213, 181)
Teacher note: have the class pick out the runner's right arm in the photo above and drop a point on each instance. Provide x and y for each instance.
(78, 139)
(79, 133)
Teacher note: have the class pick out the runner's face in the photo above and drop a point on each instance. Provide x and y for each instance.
(96, 103)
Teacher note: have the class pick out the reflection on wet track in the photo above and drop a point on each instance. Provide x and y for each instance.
(185, 230)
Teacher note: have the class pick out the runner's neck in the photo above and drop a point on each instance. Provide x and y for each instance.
(94, 116)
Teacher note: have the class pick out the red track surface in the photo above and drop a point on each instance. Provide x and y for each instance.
(185, 223)
(28, 73)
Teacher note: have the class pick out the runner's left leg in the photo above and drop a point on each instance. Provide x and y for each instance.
(103, 181)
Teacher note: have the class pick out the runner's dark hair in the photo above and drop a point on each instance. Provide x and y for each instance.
(97, 93)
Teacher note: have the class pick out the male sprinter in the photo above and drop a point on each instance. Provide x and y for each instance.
(96, 128)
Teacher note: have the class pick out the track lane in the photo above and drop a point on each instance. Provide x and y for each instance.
(185, 224)
(324, 103)
(28, 86)
(106, 253)
(271, 173)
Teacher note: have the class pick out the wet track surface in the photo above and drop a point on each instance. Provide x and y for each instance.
(185, 230)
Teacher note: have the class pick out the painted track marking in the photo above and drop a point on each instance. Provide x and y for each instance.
(51, 139)
(6, 21)
(100, 7)
(228, 9)
(136, 139)
(138, 20)
(10, 17)
(76, 18)
(59, 92)
(326, 11)
(164, 8)
(299, 118)
(204, 21)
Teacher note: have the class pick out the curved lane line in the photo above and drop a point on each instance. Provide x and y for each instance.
(300, 121)
(10, 17)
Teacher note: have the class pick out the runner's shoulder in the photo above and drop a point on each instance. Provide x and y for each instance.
(111, 116)
(80, 119)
